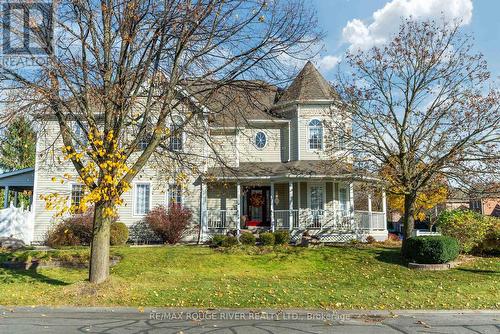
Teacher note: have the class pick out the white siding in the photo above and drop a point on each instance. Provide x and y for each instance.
(248, 152)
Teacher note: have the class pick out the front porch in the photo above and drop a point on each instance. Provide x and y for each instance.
(324, 208)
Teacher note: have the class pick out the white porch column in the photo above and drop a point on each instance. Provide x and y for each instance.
(238, 208)
(290, 205)
(272, 206)
(370, 219)
(6, 197)
(351, 201)
(204, 211)
(384, 206)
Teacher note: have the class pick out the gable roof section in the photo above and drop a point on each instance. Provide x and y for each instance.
(309, 85)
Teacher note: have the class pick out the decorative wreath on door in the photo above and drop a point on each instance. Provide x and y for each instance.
(256, 200)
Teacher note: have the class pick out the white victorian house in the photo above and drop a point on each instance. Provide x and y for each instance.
(274, 169)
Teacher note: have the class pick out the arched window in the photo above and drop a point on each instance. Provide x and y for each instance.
(315, 135)
(176, 134)
(260, 140)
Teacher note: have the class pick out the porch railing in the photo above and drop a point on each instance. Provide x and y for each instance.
(282, 219)
(375, 221)
(220, 219)
(339, 220)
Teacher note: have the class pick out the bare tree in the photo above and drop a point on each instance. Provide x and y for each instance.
(127, 66)
(421, 107)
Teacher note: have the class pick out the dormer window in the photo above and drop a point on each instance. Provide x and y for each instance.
(260, 140)
(315, 135)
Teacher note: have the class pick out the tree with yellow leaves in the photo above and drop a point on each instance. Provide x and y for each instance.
(120, 72)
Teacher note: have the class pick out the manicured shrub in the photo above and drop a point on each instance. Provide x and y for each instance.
(170, 224)
(431, 249)
(217, 240)
(282, 237)
(266, 239)
(247, 238)
(229, 241)
(73, 231)
(77, 231)
(118, 234)
(370, 239)
(141, 233)
(491, 241)
(468, 227)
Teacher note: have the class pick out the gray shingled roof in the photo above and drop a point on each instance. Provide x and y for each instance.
(309, 85)
(237, 103)
(301, 168)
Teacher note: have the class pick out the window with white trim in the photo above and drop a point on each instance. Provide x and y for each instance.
(174, 194)
(340, 143)
(176, 135)
(77, 194)
(343, 199)
(317, 202)
(315, 135)
(80, 136)
(144, 142)
(142, 198)
(260, 140)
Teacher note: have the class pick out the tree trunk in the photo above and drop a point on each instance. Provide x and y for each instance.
(408, 219)
(99, 249)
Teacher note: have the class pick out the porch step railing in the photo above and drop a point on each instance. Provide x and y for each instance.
(220, 219)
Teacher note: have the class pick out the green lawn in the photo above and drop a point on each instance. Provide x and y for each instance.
(328, 277)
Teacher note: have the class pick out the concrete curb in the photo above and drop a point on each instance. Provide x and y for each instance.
(120, 309)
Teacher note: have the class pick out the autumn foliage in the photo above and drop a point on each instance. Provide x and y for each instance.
(170, 224)
(434, 193)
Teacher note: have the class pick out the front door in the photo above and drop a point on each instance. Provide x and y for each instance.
(258, 206)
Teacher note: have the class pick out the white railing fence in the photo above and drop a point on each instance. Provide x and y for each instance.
(17, 223)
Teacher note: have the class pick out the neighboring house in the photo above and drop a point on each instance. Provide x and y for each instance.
(486, 203)
(275, 173)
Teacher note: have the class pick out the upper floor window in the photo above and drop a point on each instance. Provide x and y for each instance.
(144, 142)
(176, 134)
(340, 142)
(80, 136)
(260, 140)
(315, 134)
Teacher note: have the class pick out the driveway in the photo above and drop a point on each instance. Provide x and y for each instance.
(132, 320)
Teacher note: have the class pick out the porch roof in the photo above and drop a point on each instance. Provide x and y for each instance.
(283, 170)
(18, 180)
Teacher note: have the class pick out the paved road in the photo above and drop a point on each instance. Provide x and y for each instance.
(128, 320)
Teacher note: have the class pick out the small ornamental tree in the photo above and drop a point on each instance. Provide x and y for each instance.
(171, 223)
(118, 72)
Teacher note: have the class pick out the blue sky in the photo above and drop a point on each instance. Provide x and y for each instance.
(481, 19)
